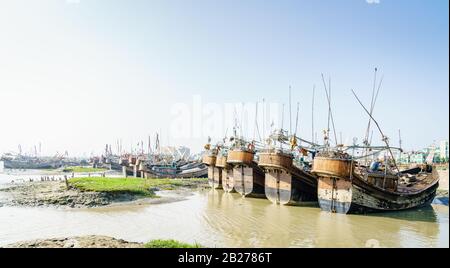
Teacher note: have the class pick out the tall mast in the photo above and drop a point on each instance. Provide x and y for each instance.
(330, 113)
(400, 145)
(384, 138)
(149, 147)
(290, 112)
(312, 114)
(242, 121)
(256, 124)
(296, 119)
(264, 118)
(372, 104)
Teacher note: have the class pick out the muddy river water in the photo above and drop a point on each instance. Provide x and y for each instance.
(217, 219)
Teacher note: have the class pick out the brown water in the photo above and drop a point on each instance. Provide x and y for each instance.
(217, 219)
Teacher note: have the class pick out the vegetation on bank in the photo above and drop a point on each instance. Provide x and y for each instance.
(98, 241)
(159, 243)
(138, 186)
(81, 169)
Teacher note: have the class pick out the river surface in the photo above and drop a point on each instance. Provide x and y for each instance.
(217, 219)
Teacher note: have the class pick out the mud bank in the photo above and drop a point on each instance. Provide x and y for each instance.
(55, 193)
(91, 241)
(443, 179)
(441, 197)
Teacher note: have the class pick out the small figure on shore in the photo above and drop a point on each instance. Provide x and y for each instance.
(65, 180)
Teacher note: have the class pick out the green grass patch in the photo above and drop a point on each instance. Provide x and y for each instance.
(159, 243)
(137, 186)
(79, 169)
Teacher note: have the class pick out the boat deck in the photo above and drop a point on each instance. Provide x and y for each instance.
(409, 184)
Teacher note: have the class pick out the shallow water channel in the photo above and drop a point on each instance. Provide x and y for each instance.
(217, 219)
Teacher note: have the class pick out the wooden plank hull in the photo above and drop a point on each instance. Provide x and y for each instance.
(209, 160)
(335, 195)
(240, 157)
(215, 177)
(249, 180)
(227, 173)
(227, 180)
(343, 188)
(283, 188)
(127, 171)
(346, 197)
(285, 183)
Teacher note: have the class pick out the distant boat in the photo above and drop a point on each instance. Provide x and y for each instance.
(29, 162)
(191, 170)
(178, 169)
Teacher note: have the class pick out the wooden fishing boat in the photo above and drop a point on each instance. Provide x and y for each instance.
(285, 183)
(346, 187)
(247, 175)
(180, 171)
(214, 174)
(226, 171)
(127, 167)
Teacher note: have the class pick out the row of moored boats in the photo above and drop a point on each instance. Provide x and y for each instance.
(288, 170)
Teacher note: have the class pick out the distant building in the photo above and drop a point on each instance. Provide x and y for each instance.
(434, 153)
(404, 158)
(418, 157)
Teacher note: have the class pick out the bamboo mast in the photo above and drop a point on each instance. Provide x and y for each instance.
(385, 138)
(312, 114)
(290, 112)
(330, 113)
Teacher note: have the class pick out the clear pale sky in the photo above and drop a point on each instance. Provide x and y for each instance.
(75, 75)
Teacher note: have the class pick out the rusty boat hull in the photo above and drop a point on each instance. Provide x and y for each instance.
(215, 177)
(214, 173)
(345, 188)
(286, 184)
(248, 177)
(227, 174)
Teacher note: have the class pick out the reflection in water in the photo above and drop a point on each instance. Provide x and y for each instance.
(334, 230)
(218, 219)
(426, 214)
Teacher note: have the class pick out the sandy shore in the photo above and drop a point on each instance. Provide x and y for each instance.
(443, 179)
(90, 241)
